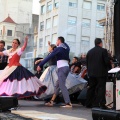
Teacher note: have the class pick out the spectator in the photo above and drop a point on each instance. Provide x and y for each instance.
(75, 67)
(3, 59)
(83, 59)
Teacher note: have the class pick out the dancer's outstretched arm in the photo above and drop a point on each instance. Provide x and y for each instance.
(36, 62)
(25, 43)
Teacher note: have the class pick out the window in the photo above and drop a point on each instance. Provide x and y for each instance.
(40, 42)
(29, 55)
(41, 26)
(72, 20)
(85, 44)
(54, 38)
(71, 38)
(98, 25)
(47, 38)
(87, 5)
(43, 9)
(9, 32)
(49, 6)
(48, 23)
(72, 3)
(55, 20)
(56, 4)
(72, 46)
(86, 23)
(101, 7)
(28, 63)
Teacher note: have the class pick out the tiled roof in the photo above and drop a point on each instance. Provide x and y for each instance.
(9, 20)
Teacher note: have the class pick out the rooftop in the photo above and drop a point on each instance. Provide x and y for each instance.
(9, 20)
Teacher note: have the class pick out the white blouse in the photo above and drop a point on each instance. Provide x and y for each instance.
(10, 54)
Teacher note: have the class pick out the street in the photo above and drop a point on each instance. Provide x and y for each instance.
(37, 111)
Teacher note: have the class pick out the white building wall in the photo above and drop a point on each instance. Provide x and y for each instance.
(80, 37)
(17, 10)
(4, 27)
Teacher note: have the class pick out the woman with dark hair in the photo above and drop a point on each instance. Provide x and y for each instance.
(15, 80)
(53, 60)
(49, 76)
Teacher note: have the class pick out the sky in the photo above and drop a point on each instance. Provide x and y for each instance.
(36, 7)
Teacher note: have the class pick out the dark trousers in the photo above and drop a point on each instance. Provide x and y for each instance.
(96, 91)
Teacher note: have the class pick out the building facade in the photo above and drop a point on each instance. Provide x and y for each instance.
(75, 20)
(108, 23)
(30, 54)
(8, 31)
(17, 9)
(20, 13)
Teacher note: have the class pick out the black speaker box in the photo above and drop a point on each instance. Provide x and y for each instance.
(101, 114)
(8, 102)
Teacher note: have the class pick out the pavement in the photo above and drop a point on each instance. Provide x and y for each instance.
(37, 111)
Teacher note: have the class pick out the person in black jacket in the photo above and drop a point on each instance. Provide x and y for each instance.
(3, 59)
(97, 66)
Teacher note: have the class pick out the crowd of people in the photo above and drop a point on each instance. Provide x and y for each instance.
(62, 74)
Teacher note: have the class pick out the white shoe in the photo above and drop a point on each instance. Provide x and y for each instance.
(69, 105)
(49, 104)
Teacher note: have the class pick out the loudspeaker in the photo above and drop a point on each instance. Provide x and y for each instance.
(8, 102)
(101, 114)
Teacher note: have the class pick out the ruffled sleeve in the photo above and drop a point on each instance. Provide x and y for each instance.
(6, 52)
(19, 51)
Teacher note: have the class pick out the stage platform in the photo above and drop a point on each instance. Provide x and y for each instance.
(102, 114)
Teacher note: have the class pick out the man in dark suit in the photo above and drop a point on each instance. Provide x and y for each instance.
(3, 59)
(97, 66)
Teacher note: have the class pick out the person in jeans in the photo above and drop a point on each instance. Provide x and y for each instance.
(62, 55)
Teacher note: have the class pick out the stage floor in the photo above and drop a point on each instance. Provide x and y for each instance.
(37, 110)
